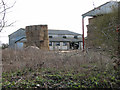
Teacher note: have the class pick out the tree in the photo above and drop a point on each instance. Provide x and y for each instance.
(4, 46)
(3, 8)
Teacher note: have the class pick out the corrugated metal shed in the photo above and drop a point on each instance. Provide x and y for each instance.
(19, 36)
(20, 33)
(56, 39)
(22, 39)
(52, 31)
(103, 9)
(61, 32)
(55, 32)
(65, 39)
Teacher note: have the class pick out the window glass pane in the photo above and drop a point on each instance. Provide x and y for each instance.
(57, 43)
(50, 36)
(64, 36)
(75, 37)
(50, 43)
(64, 43)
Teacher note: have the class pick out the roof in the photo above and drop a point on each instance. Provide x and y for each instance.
(102, 9)
(65, 39)
(23, 39)
(52, 31)
(62, 32)
(17, 31)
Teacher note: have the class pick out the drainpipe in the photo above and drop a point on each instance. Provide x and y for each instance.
(83, 31)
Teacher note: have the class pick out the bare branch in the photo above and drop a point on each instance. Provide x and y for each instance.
(8, 8)
(3, 9)
(3, 18)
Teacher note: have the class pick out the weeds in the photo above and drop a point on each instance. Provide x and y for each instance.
(27, 70)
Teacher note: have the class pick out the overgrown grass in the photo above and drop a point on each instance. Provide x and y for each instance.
(74, 69)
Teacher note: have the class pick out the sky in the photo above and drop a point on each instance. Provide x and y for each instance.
(57, 14)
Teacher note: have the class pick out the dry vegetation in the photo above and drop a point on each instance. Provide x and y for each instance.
(34, 58)
(32, 68)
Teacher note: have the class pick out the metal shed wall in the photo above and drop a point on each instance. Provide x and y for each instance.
(16, 36)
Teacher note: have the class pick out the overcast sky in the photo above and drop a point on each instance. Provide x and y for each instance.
(57, 14)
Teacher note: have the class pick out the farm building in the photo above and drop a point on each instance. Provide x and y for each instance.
(39, 36)
(102, 28)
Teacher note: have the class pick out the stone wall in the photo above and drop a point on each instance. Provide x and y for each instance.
(37, 35)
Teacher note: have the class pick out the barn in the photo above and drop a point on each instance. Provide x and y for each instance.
(58, 39)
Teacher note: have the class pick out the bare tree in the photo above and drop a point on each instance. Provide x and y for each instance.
(3, 9)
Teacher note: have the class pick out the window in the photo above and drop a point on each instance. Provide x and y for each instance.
(57, 43)
(75, 37)
(64, 43)
(50, 37)
(50, 43)
(35, 27)
(64, 37)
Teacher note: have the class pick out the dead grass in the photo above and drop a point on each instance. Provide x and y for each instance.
(71, 60)
(37, 68)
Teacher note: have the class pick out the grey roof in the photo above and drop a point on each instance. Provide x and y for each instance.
(65, 39)
(17, 31)
(55, 40)
(62, 32)
(102, 9)
(50, 32)
(22, 39)
(56, 32)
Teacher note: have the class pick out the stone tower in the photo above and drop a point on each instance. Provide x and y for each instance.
(37, 35)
